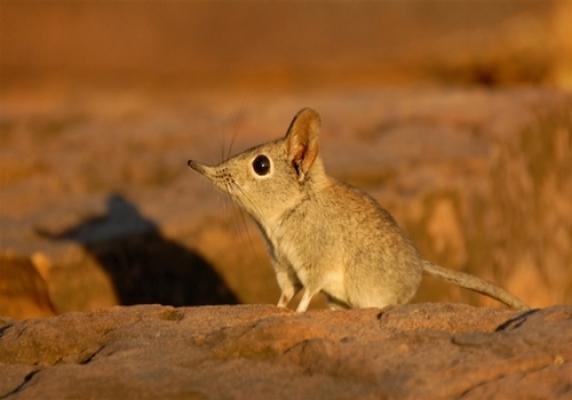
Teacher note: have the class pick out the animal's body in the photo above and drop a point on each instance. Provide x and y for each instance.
(323, 235)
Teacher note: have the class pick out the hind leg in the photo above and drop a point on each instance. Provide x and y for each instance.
(307, 295)
(336, 304)
(312, 287)
(316, 283)
(375, 297)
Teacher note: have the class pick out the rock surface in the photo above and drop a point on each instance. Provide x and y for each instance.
(429, 351)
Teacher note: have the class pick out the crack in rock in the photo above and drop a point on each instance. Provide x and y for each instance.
(515, 322)
(91, 356)
(4, 328)
(21, 386)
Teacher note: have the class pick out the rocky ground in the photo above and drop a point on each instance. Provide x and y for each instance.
(429, 351)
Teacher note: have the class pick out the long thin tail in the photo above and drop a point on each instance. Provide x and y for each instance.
(473, 283)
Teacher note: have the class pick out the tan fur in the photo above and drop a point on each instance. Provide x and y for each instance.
(323, 235)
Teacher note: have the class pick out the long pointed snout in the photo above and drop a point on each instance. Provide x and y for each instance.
(196, 166)
(204, 170)
(212, 173)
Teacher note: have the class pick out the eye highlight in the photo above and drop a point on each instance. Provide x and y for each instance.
(261, 165)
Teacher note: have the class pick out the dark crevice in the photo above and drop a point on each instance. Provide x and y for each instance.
(381, 315)
(21, 386)
(517, 321)
(4, 328)
(90, 357)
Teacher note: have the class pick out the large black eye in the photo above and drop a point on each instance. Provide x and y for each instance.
(261, 165)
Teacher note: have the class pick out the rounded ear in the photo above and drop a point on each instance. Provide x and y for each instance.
(302, 141)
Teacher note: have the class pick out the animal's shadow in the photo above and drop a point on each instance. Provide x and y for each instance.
(145, 266)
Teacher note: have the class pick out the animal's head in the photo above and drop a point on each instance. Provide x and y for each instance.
(271, 178)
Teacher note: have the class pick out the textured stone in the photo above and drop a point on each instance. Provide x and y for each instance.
(429, 351)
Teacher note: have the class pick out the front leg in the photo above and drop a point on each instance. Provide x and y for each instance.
(288, 282)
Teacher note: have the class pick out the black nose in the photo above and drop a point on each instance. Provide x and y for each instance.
(196, 166)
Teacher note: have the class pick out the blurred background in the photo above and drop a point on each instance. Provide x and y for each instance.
(455, 115)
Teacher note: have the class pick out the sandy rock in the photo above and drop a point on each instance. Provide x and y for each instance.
(425, 351)
(23, 289)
